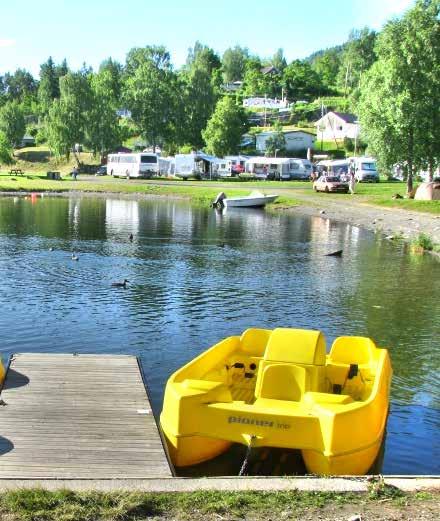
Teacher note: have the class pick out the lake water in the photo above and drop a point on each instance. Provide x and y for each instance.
(197, 276)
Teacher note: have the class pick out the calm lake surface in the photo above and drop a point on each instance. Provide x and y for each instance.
(197, 276)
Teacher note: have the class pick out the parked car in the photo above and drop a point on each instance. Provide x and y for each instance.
(330, 184)
(102, 170)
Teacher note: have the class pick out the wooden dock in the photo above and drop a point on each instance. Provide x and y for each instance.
(78, 417)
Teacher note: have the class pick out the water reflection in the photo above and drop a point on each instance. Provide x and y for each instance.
(197, 276)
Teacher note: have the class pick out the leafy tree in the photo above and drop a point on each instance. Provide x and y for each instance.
(19, 85)
(157, 55)
(149, 93)
(225, 128)
(277, 142)
(278, 60)
(202, 56)
(233, 62)
(102, 128)
(113, 71)
(67, 119)
(12, 123)
(201, 81)
(301, 82)
(48, 88)
(255, 83)
(400, 99)
(357, 58)
(62, 69)
(5, 149)
(327, 66)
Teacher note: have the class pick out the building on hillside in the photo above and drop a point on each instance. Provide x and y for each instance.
(270, 69)
(295, 140)
(232, 86)
(335, 126)
(27, 141)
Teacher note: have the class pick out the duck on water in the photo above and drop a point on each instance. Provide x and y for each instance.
(122, 284)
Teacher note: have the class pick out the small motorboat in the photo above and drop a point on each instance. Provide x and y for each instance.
(254, 200)
(279, 388)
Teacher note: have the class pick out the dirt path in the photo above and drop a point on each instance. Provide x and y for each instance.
(390, 221)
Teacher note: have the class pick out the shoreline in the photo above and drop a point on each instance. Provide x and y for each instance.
(395, 224)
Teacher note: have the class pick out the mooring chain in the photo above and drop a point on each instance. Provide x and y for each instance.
(246, 458)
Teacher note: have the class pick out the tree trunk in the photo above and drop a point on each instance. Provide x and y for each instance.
(410, 164)
(430, 170)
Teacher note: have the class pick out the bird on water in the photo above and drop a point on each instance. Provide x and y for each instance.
(120, 284)
(74, 257)
(130, 237)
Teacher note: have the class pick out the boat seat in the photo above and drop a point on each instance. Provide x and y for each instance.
(312, 398)
(296, 346)
(347, 350)
(253, 341)
(299, 348)
(282, 382)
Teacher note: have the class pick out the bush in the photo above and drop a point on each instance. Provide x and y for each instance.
(423, 242)
(349, 144)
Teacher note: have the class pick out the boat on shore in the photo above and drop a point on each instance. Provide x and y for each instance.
(254, 200)
(279, 388)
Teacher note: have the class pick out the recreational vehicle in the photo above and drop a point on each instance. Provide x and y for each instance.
(198, 165)
(268, 167)
(230, 166)
(365, 169)
(300, 169)
(279, 168)
(142, 164)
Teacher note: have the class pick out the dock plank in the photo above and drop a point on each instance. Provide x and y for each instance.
(78, 416)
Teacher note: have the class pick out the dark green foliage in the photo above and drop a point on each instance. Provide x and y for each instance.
(400, 97)
(234, 62)
(276, 144)
(200, 87)
(5, 150)
(301, 82)
(225, 128)
(12, 123)
(149, 92)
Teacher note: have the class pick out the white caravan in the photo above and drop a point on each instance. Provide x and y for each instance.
(198, 165)
(365, 169)
(143, 164)
(279, 168)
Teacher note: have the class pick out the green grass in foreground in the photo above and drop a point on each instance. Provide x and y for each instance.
(202, 193)
(64, 505)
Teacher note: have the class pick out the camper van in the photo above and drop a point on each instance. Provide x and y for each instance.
(231, 166)
(198, 165)
(268, 167)
(365, 169)
(337, 167)
(300, 169)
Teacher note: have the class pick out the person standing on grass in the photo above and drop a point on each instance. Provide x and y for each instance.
(75, 172)
(352, 179)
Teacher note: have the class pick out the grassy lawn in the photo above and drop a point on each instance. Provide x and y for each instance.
(203, 192)
(37, 504)
(38, 160)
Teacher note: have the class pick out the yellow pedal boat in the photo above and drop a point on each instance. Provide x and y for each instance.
(2, 372)
(279, 388)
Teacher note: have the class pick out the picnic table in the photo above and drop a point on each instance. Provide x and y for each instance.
(16, 171)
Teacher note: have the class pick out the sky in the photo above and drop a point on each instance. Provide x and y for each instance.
(92, 30)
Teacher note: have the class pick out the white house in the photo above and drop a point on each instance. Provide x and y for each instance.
(295, 140)
(337, 126)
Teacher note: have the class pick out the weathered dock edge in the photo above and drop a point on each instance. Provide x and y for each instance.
(78, 416)
(226, 484)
